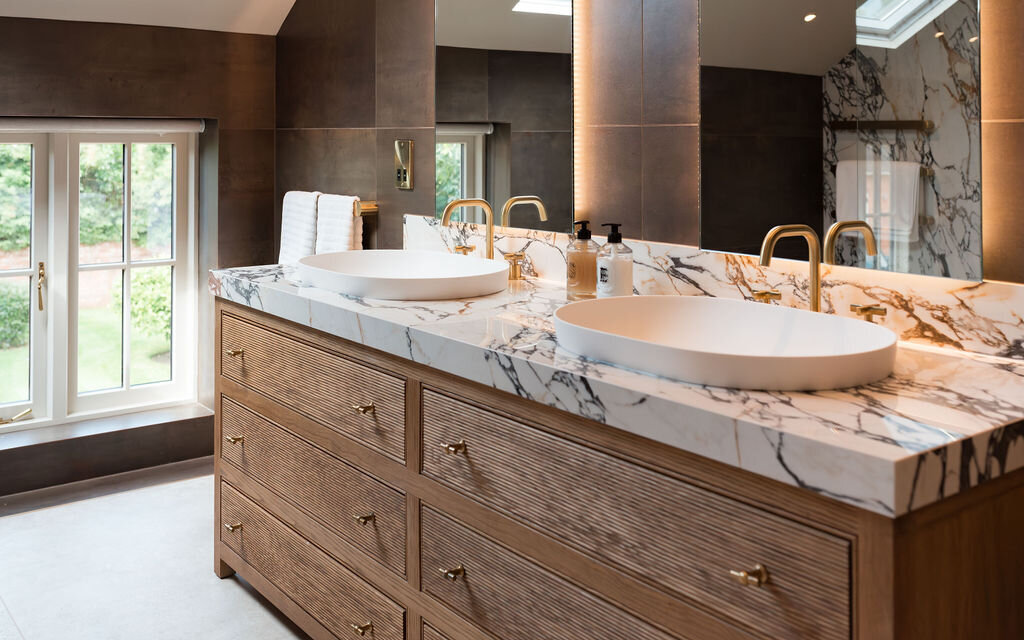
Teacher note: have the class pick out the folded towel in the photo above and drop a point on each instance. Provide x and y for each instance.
(338, 228)
(851, 189)
(298, 226)
(906, 197)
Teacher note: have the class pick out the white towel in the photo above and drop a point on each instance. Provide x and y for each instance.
(851, 190)
(905, 199)
(337, 226)
(298, 226)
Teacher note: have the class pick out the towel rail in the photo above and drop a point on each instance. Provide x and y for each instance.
(366, 208)
(926, 126)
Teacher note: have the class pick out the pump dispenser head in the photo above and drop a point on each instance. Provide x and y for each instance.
(584, 232)
(614, 236)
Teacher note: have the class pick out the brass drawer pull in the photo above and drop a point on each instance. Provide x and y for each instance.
(234, 353)
(364, 409)
(453, 574)
(233, 527)
(370, 517)
(361, 629)
(756, 578)
(456, 448)
(235, 439)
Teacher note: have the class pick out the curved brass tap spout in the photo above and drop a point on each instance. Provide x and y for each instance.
(446, 217)
(813, 246)
(849, 225)
(506, 212)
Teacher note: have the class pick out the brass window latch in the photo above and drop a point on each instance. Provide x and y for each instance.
(24, 414)
(39, 283)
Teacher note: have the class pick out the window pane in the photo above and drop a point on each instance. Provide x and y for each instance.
(101, 203)
(152, 200)
(99, 330)
(450, 158)
(151, 325)
(15, 206)
(15, 314)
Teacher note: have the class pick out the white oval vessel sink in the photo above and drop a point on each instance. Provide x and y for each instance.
(404, 275)
(728, 343)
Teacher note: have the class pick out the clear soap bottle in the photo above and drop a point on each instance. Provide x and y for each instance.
(614, 266)
(581, 265)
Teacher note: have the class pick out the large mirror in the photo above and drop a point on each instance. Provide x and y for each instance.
(817, 112)
(504, 106)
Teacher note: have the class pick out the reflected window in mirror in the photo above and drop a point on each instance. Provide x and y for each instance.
(504, 106)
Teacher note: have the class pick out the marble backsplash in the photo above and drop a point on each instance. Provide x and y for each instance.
(979, 317)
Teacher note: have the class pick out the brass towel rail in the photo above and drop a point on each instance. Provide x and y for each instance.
(366, 208)
(926, 126)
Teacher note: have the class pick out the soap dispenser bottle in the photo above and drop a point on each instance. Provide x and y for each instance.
(614, 266)
(581, 265)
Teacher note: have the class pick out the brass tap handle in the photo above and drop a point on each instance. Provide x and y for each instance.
(454, 448)
(39, 283)
(766, 295)
(869, 312)
(756, 578)
(234, 353)
(235, 439)
(362, 629)
(364, 409)
(233, 527)
(453, 574)
(465, 249)
(365, 519)
(22, 414)
(515, 265)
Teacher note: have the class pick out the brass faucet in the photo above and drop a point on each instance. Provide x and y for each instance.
(848, 225)
(446, 217)
(506, 212)
(808, 234)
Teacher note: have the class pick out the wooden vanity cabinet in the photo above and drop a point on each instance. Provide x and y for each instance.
(367, 496)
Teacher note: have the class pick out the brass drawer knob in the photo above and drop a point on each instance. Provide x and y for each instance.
(756, 578)
(234, 353)
(364, 409)
(233, 527)
(362, 629)
(453, 574)
(370, 517)
(235, 439)
(454, 448)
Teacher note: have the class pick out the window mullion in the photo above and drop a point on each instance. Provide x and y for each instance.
(126, 285)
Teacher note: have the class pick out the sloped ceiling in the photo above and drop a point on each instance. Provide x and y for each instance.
(236, 16)
(491, 24)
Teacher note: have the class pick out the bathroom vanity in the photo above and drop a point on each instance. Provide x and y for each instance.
(442, 470)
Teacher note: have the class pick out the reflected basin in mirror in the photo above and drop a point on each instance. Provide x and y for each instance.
(728, 343)
(404, 275)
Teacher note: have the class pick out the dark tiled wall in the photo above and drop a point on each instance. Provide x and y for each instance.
(532, 92)
(760, 157)
(71, 69)
(352, 77)
(639, 115)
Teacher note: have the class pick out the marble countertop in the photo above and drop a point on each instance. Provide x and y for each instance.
(945, 421)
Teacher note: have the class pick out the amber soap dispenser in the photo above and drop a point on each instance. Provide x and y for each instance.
(581, 265)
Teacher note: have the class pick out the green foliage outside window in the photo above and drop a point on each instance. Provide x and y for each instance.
(14, 316)
(449, 175)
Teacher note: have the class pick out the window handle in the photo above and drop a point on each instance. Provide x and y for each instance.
(39, 283)
(24, 414)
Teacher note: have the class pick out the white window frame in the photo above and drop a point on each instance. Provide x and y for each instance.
(473, 140)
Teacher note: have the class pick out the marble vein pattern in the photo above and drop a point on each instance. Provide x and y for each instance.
(978, 317)
(944, 422)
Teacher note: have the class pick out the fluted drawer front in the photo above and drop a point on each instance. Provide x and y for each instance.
(365, 512)
(511, 597)
(325, 589)
(430, 633)
(686, 539)
(324, 386)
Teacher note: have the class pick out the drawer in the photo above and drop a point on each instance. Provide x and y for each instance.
(511, 597)
(331, 491)
(670, 533)
(325, 589)
(326, 387)
(430, 633)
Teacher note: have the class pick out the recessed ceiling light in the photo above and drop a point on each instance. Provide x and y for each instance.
(974, 39)
(810, 17)
(549, 7)
(939, 34)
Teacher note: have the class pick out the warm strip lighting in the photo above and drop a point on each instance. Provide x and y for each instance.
(549, 7)
(580, 57)
(939, 34)
(810, 17)
(974, 39)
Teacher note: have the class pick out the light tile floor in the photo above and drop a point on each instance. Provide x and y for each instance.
(133, 562)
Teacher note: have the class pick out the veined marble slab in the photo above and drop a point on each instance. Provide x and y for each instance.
(944, 422)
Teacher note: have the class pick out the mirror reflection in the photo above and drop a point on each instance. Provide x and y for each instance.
(504, 108)
(855, 110)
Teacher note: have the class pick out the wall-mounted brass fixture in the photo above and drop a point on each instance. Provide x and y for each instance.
(869, 312)
(465, 249)
(446, 217)
(515, 265)
(506, 211)
(849, 225)
(766, 296)
(814, 257)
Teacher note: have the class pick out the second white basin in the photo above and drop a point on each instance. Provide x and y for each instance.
(404, 275)
(728, 343)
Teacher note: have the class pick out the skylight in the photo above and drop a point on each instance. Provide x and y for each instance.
(550, 7)
(890, 23)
